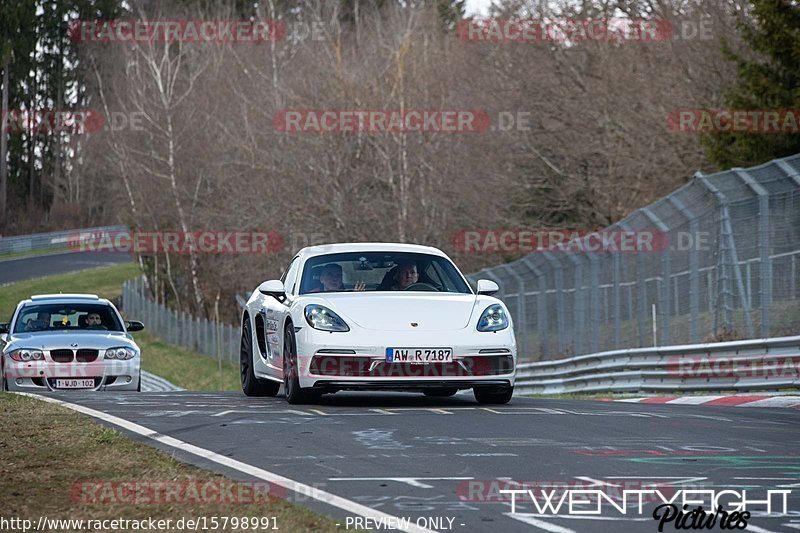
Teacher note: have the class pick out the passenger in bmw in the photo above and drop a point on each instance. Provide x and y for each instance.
(42, 322)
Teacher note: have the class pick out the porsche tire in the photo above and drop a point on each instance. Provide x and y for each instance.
(251, 385)
(291, 371)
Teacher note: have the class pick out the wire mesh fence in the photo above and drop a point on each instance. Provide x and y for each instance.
(728, 270)
(199, 335)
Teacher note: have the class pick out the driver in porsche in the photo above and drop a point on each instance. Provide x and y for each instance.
(405, 276)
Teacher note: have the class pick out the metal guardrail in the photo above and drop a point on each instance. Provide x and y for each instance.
(53, 240)
(758, 364)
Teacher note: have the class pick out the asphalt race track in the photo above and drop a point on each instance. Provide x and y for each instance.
(46, 265)
(411, 456)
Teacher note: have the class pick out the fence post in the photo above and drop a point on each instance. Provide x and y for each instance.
(560, 318)
(541, 306)
(594, 302)
(666, 279)
(765, 267)
(729, 246)
(615, 275)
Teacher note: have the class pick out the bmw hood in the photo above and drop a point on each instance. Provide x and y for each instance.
(391, 311)
(65, 339)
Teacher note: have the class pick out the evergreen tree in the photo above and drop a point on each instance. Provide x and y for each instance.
(769, 82)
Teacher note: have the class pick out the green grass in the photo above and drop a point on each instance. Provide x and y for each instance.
(182, 367)
(50, 453)
(7, 256)
(105, 282)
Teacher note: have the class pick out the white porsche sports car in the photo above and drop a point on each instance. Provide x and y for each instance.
(69, 341)
(376, 317)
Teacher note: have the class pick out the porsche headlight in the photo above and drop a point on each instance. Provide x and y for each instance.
(23, 355)
(322, 318)
(494, 318)
(122, 353)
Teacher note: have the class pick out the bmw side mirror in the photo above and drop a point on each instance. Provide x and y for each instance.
(487, 287)
(134, 325)
(274, 288)
(3, 328)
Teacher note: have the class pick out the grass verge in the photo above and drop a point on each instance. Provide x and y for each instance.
(48, 451)
(10, 256)
(184, 368)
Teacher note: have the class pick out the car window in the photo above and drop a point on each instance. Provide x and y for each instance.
(378, 271)
(291, 274)
(66, 316)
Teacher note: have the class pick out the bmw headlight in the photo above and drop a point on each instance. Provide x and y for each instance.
(494, 318)
(122, 353)
(23, 355)
(322, 318)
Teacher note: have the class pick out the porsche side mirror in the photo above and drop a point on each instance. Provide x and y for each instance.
(487, 286)
(274, 288)
(3, 328)
(134, 325)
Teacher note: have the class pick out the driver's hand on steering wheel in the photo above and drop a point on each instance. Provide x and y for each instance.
(359, 286)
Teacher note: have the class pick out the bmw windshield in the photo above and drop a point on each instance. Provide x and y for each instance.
(66, 316)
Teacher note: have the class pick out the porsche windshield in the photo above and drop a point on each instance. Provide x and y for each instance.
(67, 316)
(381, 271)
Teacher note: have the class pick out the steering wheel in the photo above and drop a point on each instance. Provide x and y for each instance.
(421, 286)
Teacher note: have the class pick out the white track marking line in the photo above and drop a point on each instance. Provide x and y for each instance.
(541, 524)
(694, 400)
(756, 529)
(271, 477)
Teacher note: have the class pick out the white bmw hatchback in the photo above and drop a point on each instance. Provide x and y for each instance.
(376, 317)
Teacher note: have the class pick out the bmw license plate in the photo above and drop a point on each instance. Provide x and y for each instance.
(419, 356)
(74, 383)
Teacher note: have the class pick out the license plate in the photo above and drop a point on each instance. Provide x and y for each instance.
(419, 356)
(74, 383)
